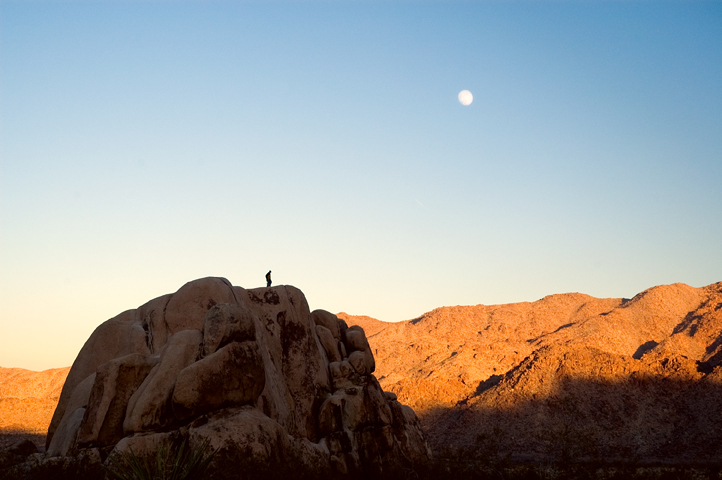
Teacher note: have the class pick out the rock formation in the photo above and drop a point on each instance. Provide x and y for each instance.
(253, 372)
(566, 376)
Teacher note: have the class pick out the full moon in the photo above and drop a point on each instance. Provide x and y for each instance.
(465, 97)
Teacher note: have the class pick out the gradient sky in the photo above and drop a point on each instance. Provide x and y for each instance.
(146, 144)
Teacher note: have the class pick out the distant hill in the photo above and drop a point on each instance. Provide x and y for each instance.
(27, 402)
(618, 378)
(370, 325)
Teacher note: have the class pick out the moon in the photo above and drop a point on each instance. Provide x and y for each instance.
(465, 97)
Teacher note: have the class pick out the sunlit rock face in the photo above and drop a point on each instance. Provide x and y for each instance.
(253, 372)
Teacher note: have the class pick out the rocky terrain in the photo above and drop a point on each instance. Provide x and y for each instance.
(566, 376)
(270, 387)
(27, 403)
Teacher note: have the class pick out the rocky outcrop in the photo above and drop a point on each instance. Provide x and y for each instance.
(253, 372)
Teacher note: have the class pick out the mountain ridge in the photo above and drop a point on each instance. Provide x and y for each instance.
(472, 372)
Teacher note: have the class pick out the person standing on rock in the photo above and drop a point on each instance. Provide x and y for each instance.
(268, 279)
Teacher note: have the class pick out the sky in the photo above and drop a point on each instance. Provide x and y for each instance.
(144, 144)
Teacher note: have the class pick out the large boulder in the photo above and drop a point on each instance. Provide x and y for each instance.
(225, 323)
(187, 308)
(68, 427)
(297, 375)
(119, 336)
(115, 382)
(149, 407)
(231, 376)
(253, 372)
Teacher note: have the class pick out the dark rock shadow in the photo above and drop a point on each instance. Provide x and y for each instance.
(644, 348)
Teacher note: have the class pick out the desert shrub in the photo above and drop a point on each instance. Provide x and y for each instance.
(183, 462)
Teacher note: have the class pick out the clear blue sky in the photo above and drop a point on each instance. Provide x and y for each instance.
(146, 144)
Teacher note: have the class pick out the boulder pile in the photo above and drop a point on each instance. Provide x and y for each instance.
(253, 372)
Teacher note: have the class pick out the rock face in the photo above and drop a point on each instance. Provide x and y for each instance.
(253, 372)
(566, 376)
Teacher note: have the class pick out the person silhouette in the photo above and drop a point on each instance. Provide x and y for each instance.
(268, 279)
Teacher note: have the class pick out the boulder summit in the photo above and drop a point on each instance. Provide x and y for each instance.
(255, 374)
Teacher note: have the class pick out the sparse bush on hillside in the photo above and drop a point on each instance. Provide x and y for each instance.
(182, 462)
